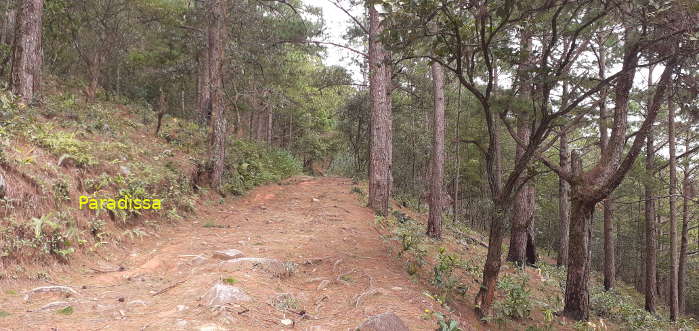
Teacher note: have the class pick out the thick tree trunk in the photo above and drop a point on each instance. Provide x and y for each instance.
(522, 216)
(486, 294)
(27, 57)
(523, 208)
(674, 303)
(216, 40)
(563, 204)
(381, 149)
(651, 229)
(577, 297)
(434, 223)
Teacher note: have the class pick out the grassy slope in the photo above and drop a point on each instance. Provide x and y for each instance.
(64, 148)
(527, 299)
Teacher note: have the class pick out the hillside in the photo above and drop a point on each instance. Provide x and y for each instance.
(65, 151)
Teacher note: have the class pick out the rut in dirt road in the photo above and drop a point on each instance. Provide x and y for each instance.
(302, 254)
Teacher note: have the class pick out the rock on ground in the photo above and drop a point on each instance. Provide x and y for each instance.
(50, 289)
(221, 294)
(276, 268)
(228, 254)
(383, 322)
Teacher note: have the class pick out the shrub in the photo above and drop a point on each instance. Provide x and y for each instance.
(516, 304)
(250, 164)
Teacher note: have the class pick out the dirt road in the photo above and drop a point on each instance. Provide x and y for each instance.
(323, 267)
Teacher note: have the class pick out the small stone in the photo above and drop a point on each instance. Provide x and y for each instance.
(211, 327)
(221, 294)
(323, 284)
(198, 260)
(228, 254)
(124, 170)
(396, 288)
(315, 200)
(287, 322)
(121, 299)
(383, 322)
(182, 307)
(136, 303)
(67, 291)
(181, 324)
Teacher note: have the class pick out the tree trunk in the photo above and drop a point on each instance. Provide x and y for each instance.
(203, 86)
(486, 294)
(268, 126)
(577, 297)
(216, 40)
(380, 159)
(563, 204)
(523, 209)
(27, 57)
(162, 109)
(609, 246)
(93, 69)
(434, 223)
(674, 303)
(651, 229)
(7, 36)
(682, 268)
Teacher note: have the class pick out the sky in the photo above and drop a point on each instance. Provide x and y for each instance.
(336, 23)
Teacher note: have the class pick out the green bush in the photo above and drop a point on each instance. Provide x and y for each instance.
(61, 144)
(517, 303)
(620, 307)
(249, 164)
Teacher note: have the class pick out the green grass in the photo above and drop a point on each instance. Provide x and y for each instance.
(66, 311)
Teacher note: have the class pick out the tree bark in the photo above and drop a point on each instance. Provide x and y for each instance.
(203, 86)
(486, 295)
(682, 267)
(434, 223)
(577, 297)
(216, 40)
(94, 68)
(27, 57)
(563, 204)
(381, 149)
(162, 109)
(651, 228)
(674, 303)
(609, 246)
(523, 208)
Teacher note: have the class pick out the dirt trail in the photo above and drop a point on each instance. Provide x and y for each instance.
(343, 271)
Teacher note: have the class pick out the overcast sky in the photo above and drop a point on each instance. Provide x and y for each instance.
(336, 23)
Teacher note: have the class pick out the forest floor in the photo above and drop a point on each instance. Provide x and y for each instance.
(339, 271)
